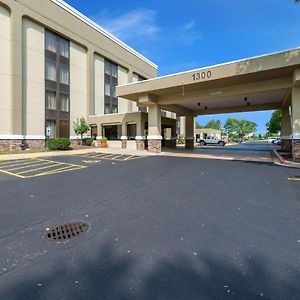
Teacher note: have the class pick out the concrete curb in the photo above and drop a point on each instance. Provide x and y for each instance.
(284, 163)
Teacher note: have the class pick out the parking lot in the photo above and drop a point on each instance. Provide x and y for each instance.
(35, 167)
(158, 228)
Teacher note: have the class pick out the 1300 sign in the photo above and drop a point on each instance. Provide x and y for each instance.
(202, 75)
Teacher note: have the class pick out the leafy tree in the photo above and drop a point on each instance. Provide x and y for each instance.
(81, 127)
(274, 125)
(230, 127)
(246, 127)
(239, 128)
(214, 124)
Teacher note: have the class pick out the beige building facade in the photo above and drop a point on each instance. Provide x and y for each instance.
(58, 66)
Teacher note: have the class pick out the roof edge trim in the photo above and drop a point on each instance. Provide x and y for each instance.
(213, 66)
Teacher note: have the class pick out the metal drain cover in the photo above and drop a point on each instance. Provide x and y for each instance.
(66, 232)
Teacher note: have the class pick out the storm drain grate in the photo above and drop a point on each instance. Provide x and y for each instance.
(66, 231)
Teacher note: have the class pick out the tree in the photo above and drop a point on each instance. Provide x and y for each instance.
(246, 127)
(230, 127)
(214, 124)
(81, 127)
(239, 128)
(274, 125)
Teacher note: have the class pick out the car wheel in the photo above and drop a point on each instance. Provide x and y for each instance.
(221, 144)
(202, 143)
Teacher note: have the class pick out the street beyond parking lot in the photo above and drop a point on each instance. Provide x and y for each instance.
(161, 228)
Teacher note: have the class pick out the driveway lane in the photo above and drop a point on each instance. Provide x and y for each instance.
(176, 228)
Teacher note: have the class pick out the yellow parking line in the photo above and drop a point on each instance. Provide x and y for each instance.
(16, 162)
(12, 174)
(108, 156)
(36, 169)
(294, 179)
(129, 157)
(117, 156)
(28, 166)
(66, 169)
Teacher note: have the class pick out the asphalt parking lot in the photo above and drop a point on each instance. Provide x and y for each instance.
(160, 228)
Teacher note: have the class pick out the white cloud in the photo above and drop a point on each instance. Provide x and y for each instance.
(188, 34)
(136, 24)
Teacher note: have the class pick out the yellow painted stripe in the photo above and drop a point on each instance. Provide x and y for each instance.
(129, 157)
(62, 163)
(61, 170)
(117, 156)
(16, 162)
(294, 179)
(28, 166)
(37, 169)
(12, 174)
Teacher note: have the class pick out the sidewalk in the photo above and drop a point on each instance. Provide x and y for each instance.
(75, 152)
(171, 153)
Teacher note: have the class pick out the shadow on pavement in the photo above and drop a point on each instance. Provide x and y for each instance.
(110, 275)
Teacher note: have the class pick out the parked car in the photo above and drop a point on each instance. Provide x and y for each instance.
(237, 140)
(272, 139)
(211, 140)
(277, 142)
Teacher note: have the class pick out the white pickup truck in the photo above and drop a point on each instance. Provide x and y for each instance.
(211, 140)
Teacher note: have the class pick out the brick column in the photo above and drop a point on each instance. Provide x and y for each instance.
(140, 143)
(189, 132)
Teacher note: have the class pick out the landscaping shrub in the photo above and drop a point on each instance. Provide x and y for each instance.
(59, 144)
(87, 141)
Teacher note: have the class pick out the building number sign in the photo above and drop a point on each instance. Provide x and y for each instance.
(202, 75)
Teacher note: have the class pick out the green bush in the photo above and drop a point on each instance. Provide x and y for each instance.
(87, 141)
(103, 139)
(59, 144)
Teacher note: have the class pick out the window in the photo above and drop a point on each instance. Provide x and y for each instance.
(107, 87)
(64, 102)
(110, 83)
(141, 109)
(131, 131)
(50, 100)
(57, 85)
(64, 129)
(112, 132)
(94, 131)
(64, 74)
(50, 128)
(51, 42)
(50, 69)
(64, 48)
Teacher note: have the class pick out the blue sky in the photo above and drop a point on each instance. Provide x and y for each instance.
(180, 35)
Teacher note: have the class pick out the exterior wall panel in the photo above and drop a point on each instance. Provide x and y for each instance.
(5, 71)
(33, 79)
(99, 85)
(78, 84)
(122, 79)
